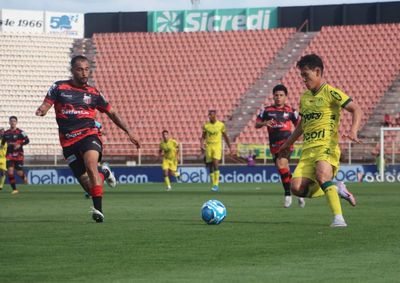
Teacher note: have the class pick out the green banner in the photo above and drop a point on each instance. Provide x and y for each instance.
(263, 152)
(213, 20)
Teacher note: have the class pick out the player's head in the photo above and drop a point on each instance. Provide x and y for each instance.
(80, 69)
(212, 115)
(279, 93)
(165, 134)
(13, 120)
(311, 69)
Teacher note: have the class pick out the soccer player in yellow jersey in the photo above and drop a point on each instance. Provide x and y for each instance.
(211, 145)
(320, 109)
(3, 152)
(169, 149)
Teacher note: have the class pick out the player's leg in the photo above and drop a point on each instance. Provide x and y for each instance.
(345, 194)
(215, 165)
(11, 176)
(282, 164)
(84, 181)
(91, 158)
(2, 178)
(19, 168)
(165, 169)
(174, 169)
(209, 162)
(324, 176)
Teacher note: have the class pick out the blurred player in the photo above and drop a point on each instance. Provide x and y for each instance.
(16, 139)
(169, 149)
(211, 145)
(320, 109)
(75, 104)
(278, 118)
(3, 160)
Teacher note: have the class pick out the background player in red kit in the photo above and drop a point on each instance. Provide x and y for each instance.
(279, 118)
(16, 139)
(75, 103)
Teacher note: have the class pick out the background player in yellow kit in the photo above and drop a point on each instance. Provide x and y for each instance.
(169, 149)
(320, 109)
(211, 145)
(3, 160)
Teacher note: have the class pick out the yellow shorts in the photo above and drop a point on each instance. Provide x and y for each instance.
(170, 164)
(213, 152)
(3, 163)
(310, 156)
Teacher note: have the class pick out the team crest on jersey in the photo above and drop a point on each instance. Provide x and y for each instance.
(286, 115)
(87, 98)
(319, 102)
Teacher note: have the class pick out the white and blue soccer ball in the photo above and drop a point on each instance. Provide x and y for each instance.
(213, 212)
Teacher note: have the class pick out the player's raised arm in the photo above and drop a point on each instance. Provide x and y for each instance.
(356, 113)
(43, 109)
(114, 116)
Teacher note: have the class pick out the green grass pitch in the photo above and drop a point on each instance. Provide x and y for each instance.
(150, 235)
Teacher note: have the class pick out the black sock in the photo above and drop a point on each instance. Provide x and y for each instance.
(13, 186)
(97, 203)
(286, 187)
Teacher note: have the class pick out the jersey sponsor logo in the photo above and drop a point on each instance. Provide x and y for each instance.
(316, 135)
(312, 116)
(74, 112)
(96, 143)
(71, 158)
(336, 95)
(73, 135)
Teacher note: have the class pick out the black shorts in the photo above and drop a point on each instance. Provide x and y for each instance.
(17, 164)
(74, 153)
(285, 154)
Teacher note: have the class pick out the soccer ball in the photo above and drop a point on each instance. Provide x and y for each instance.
(213, 212)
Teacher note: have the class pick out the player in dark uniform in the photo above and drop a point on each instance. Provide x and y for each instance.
(16, 139)
(279, 118)
(75, 104)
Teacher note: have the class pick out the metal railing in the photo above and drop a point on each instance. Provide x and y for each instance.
(189, 153)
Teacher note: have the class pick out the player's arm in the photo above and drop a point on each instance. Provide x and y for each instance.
(356, 113)
(43, 109)
(262, 121)
(114, 116)
(298, 131)
(227, 141)
(202, 141)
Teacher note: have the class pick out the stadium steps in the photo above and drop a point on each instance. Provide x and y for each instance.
(255, 97)
(370, 133)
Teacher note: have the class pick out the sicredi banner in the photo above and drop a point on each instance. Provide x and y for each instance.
(213, 20)
(21, 21)
(68, 24)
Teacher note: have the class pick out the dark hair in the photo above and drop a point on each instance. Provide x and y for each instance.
(311, 61)
(212, 111)
(13, 117)
(78, 58)
(280, 87)
(165, 131)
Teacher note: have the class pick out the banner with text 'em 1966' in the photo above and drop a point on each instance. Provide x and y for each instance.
(213, 20)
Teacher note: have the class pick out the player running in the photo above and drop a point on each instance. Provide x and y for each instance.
(169, 149)
(279, 118)
(16, 139)
(75, 104)
(3, 160)
(211, 145)
(320, 109)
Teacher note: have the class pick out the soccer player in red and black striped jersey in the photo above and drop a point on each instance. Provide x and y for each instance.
(279, 119)
(16, 139)
(75, 104)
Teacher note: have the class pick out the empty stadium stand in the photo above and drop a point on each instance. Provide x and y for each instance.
(29, 64)
(361, 60)
(171, 80)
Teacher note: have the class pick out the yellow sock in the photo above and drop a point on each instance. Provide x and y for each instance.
(216, 178)
(212, 177)
(315, 191)
(2, 179)
(167, 182)
(332, 197)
